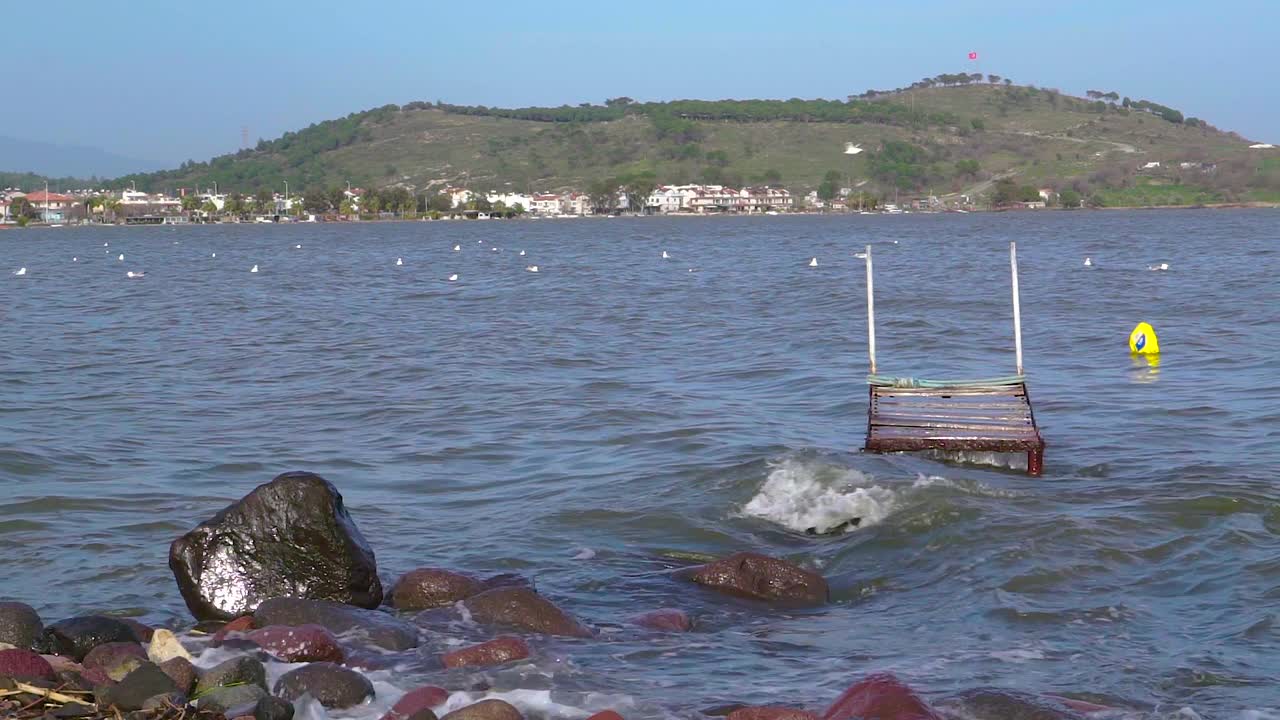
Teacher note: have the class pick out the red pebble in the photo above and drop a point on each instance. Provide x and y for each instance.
(881, 696)
(771, 712)
(241, 624)
(426, 697)
(497, 651)
(24, 665)
(303, 643)
(606, 715)
(666, 619)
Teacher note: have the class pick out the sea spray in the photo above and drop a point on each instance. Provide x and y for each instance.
(808, 496)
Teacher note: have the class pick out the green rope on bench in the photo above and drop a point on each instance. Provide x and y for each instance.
(910, 382)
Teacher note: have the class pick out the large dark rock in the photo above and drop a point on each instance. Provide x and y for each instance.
(181, 672)
(20, 625)
(761, 577)
(373, 626)
(273, 708)
(75, 637)
(22, 664)
(145, 682)
(220, 700)
(995, 704)
(486, 710)
(115, 659)
(289, 538)
(332, 685)
(523, 608)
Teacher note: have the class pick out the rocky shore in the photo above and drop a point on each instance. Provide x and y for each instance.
(291, 617)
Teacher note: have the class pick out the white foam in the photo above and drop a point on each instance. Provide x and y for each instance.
(1018, 656)
(803, 495)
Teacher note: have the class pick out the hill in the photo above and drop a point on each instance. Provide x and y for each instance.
(48, 159)
(945, 135)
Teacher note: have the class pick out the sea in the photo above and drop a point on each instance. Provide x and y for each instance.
(590, 424)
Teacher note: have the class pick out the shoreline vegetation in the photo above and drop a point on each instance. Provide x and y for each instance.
(284, 576)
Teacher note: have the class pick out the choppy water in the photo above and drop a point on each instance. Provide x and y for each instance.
(572, 424)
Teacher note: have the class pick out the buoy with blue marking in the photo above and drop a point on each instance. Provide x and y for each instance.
(1143, 340)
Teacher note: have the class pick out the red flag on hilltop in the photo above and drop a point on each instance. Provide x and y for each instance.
(973, 56)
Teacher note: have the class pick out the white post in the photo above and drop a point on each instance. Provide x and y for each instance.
(1017, 306)
(871, 314)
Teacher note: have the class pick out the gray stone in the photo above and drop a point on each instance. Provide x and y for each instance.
(224, 698)
(378, 628)
(20, 625)
(331, 684)
(75, 637)
(146, 682)
(236, 670)
(273, 708)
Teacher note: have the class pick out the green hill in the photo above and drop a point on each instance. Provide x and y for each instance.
(935, 138)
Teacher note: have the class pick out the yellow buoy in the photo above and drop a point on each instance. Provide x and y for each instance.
(1143, 341)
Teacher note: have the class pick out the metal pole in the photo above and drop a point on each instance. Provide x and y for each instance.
(1017, 306)
(871, 314)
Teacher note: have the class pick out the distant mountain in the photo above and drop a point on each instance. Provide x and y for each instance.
(946, 136)
(65, 160)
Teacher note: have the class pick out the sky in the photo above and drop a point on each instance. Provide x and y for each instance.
(165, 82)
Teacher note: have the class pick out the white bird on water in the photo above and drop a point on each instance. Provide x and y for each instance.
(214, 255)
(253, 269)
(813, 262)
(399, 261)
(1088, 262)
(297, 247)
(665, 255)
(132, 274)
(1161, 266)
(121, 258)
(860, 256)
(532, 268)
(105, 244)
(521, 253)
(75, 259)
(20, 272)
(456, 248)
(453, 277)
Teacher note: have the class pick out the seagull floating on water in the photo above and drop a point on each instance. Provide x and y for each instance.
(1161, 266)
(75, 259)
(813, 262)
(214, 255)
(494, 249)
(521, 253)
(121, 258)
(132, 274)
(20, 272)
(1088, 262)
(665, 255)
(453, 277)
(297, 247)
(399, 261)
(105, 244)
(532, 268)
(456, 248)
(253, 269)
(860, 256)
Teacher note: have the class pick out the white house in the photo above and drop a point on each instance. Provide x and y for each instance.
(546, 204)
(459, 196)
(575, 203)
(510, 200)
(1151, 165)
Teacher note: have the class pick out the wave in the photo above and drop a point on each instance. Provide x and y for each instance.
(816, 498)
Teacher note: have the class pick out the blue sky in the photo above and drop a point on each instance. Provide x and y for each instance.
(169, 81)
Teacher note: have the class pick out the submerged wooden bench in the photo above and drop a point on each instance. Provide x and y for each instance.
(993, 415)
(995, 419)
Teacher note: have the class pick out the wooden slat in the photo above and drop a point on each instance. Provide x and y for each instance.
(996, 418)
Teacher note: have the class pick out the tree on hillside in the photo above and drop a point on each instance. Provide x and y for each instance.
(1008, 82)
(899, 164)
(967, 168)
(316, 201)
(618, 102)
(208, 208)
(22, 210)
(772, 177)
(190, 203)
(639, 187)
(266, 201)
(993, 79)
(439, 203)
(829, 188)
(603, 195)
(1069, 198)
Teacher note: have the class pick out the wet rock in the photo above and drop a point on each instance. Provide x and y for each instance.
(62, 664)
(426, 588)
(721, 710)
(377, 628)
(416, 702)
(241, 624)
(115, 659)
(761, 577)
(497, 651)
(771, 712)
(995, 704)
(606, 715)
(291, 537)
(222, 699)
(181, 672)
(523, 608)
(145, 682)
(304, 643)
(168, 700)
(237, 670)
(25, 665)
(165, 646)
(486, 710)
(665, 620)
(273, 708)
(1081, 706)
(73, 710)
(881, 696)
(75, 637)
(332, 685)
(141, 632)
(20, 625)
